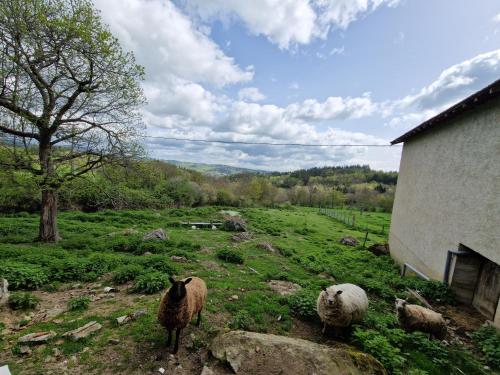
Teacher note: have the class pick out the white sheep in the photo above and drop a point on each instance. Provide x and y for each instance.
(341, 305)
(181, 302)
(418, 318)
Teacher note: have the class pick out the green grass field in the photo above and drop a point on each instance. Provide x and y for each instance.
(105, 248)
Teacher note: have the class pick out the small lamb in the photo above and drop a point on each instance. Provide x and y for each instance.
(418, 318)
(181, 302)
(341, 305)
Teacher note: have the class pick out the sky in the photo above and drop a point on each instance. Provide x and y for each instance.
(301, 71)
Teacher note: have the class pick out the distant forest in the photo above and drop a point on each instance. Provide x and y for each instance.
(158, 184)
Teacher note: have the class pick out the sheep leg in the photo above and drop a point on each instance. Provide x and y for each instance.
(199, 319)
(176, 346)
(169, 340)
(324, 329)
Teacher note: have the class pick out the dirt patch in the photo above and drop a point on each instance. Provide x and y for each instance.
(284, 288)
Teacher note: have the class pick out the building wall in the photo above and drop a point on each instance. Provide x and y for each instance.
(448, 192)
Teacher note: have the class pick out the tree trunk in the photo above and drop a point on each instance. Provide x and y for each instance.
(48, 231)
(48, 217)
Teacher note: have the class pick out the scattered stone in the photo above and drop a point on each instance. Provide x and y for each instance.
(266, 246)
(137, 314)
(84, 331)
(123, 319)
(254, 270)
(349, 241)
(157, 234)
(214, 227)
(193, 227)
(179, 259)
(279, 318)
(37, 337)
(284, 288)
(114, 341)
(25, 350)
(161, 370)
(243, 236)
(379, 249)
(52, 313)
(148, 253)
(109, 289)
(234, 297)
(326, 275)
(207, 371)
(239, 349)
(235, 225)
(4, 292)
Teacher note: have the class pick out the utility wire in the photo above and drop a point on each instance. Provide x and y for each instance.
(266, 143)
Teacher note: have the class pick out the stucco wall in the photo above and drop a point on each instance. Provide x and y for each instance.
(448, 192)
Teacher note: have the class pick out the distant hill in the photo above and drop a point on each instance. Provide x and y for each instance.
(215, 169)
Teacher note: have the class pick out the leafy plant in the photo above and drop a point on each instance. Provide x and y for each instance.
(303, 305)
(487, 340)
(242, 320)
(151, 282)
(127, 273)
(79, 303)
(23, 301)
(23, 276)
(159, 263)
(231, 256)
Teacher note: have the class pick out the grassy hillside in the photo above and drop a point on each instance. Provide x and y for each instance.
(105, 248)
(217, 170)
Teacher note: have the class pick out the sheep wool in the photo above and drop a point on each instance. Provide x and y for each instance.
(418, 318)
(341, 305)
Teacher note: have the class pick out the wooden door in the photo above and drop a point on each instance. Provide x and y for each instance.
(487, 289)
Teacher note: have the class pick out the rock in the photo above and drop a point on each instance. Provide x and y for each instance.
(25, 350)
(214, 227)
(235, 225)
(243, 236)
(291, 356)
(349, 241)
(379, 249)
(147, 253)
(137, 314)
(266, 246)
(193, 227)
(37, 337)
(52, 313)
(4, 292)
(157, 234)
(109, 289)
(161, 370)
(207, 371)
(234, 297)
(284, 288)
(179, 259)
(122, 319)
(84, 331)
(114, 341)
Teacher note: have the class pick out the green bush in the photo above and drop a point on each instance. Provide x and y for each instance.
(79, 303)
(231, 256)
(487, 340)
(434, 291)
(23, 301)
(159, 263)
(242, 320)
(150, 282)
(127, 273)
(303, 305)
(154, 247)
(23, 276)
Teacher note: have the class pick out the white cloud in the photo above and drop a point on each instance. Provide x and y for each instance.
(293, 86)
(168, 43)
(337, 51)
(287, 22)
(251, 94)
(496, 18)
(457, 81)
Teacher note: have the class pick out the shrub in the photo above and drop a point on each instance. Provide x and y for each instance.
(127, 273)
(435, 291)
(154, 247)
(23, 276)
(79, 303)
(159, 263)
(151, 282)
(22, 301)
(242, 320)
(303, 305)
(231, 256)
(487, 340)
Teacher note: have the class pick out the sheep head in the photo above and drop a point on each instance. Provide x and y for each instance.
(177, 291)
(332, 296)
(400, 304)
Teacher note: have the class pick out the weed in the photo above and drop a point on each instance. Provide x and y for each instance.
(23, 276)
(487, 340)
(127, 273)
(23, 301)
(151, 282)
(79, 303)
(231, 256)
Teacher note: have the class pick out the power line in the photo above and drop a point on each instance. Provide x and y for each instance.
(267, 143)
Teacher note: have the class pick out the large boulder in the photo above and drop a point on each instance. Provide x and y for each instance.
(157, 234)
(251, 352)
(379, 249)
(235, 225)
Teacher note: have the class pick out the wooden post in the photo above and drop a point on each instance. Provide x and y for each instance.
(366, 237)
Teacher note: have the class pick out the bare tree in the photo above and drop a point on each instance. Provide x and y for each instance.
(69, 95)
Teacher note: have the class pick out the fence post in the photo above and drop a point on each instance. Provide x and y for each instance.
(366, 237)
